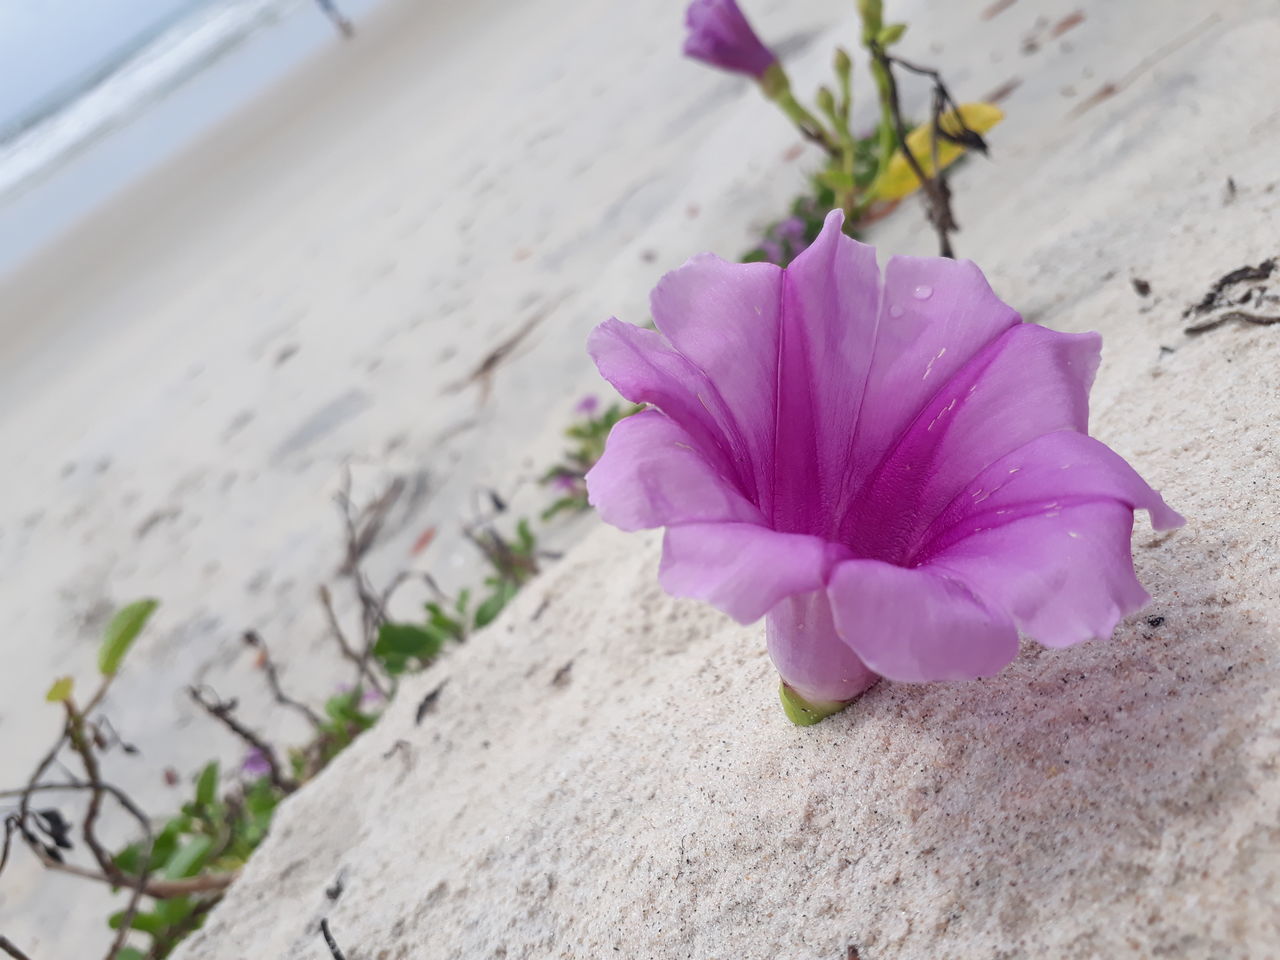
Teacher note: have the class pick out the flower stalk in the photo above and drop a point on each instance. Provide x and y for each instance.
(862, 175)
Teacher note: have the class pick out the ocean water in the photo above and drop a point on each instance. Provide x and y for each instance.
(93, 94)
(110, 89)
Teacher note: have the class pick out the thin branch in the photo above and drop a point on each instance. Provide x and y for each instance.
(221, 710)
(7, 946)
(363, 672)
(84, 749)
(364, 669)
(1230, 316)
(329, 941)
(159, 889)
(254, 639)
(364, 526)
(24, 805)
(940, 214)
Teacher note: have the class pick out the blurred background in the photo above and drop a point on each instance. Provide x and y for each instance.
(250, 260)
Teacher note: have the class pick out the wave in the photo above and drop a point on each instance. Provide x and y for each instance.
(139, 76)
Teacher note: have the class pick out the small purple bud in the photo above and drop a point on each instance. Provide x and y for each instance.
(587, 405)
(720, 35)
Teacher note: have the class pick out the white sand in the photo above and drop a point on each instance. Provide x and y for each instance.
(1112, 800)
(394, 211)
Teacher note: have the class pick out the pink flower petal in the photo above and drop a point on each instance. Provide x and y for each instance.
(918, 625)
(1039, 477)
(644, 368)
(935, 315)
(809, 652)
(743, 569)
(1027, 382)
(652, 476)
(828, 334)
(724, 317)
(1064, 575)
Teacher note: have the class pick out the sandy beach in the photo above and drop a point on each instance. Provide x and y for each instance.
(638, 792)
(317, 284)
(184, 376)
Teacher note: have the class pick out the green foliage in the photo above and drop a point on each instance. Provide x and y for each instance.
(207, 786)
(189, 858)
(400, 645)
(568, 475)
(501, 592)
(60, 691)
(891, 34)
(785, 239)
(213, 833)
(121, 632)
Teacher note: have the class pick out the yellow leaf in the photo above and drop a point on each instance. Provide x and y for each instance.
(899, 179)
(60, 691)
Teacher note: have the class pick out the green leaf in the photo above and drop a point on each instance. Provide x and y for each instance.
(146, 922)
(399, 642)
(464, 598)
(130, 953)
(207, 786)
(129, 859)
(60, 691)
(442, 623)
(121, 632)
(342, 708)
(167, 840)
(565, 503)
(173, 910)
(891, 34)
(524, 532)
(189, 858)
(488, 611)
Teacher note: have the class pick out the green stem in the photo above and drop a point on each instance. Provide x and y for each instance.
(888, 132)
(777, 87)
(805, 713)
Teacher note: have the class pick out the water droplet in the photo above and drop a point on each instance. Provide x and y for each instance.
(896, 311)
(922, 292)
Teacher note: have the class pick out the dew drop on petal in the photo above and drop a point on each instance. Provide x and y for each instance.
(922, 292)
(896, 311)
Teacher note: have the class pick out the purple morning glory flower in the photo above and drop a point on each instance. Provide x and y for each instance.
(895, 470)
(720, 36)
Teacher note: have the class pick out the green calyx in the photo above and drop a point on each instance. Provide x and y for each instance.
(805, 713)
(774, 82)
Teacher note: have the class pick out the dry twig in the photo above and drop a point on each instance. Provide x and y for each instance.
(935, 188)
(221, 710)
(7, 946)
(254, 639)
(329, 941)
